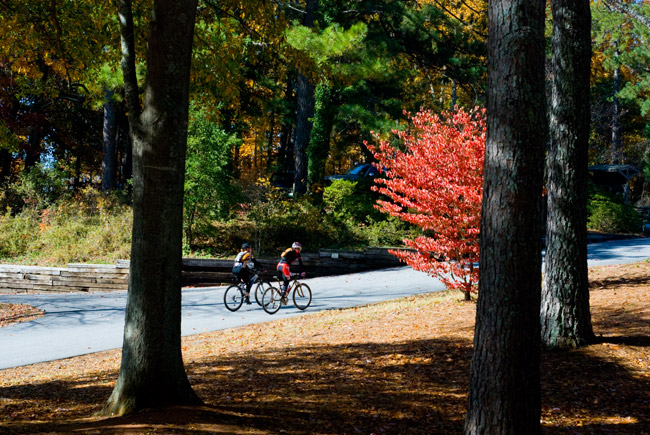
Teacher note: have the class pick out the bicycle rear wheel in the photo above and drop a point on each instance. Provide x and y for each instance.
(272, 300)
(260, 288)
(233, 298)
(302, 296)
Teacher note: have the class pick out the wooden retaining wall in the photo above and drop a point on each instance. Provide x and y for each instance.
(327, 262)
(196, 272)
(73, 278)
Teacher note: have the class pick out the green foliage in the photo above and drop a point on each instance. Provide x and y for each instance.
(209, 190)
(351, 201)
(38, 187)
(331, 44)
(390, 231)
(624, 44)
(352, 204)
(608, 213)
(271, 225)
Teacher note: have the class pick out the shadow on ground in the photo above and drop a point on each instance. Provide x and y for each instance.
(414, 387)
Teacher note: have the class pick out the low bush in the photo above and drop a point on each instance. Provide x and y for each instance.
(608, 213)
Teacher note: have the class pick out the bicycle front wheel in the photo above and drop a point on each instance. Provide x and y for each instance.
(272, 300)
(302, 296)
(233, 298)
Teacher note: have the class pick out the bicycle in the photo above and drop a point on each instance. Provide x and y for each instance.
(273, 298)
(234, 296)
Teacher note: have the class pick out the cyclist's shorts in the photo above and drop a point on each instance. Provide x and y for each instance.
(284, 269)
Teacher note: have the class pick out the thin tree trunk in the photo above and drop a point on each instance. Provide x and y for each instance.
(504, 396)
(109, 160)
(565, 315)
(617, 138)
(152, 372)
(34, 150)
(5, 166)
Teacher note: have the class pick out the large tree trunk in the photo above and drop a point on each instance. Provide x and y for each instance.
(109, 160)
(304, 113)
(565, 315)
(504, 395)
(152, 372)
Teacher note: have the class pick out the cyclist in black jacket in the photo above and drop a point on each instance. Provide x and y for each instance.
(244, 267)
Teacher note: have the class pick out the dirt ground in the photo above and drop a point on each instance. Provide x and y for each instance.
(398, 367)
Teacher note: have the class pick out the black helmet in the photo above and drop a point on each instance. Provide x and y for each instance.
(245, 245)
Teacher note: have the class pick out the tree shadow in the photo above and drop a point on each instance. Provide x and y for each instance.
(578, 387)
(608, 283)
(623, 325)
(597, 385)
(410, 387)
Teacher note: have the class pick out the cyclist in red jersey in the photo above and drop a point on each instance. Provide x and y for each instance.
(286, 259)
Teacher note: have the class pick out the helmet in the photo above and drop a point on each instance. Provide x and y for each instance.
(245, 246)
(296, 245)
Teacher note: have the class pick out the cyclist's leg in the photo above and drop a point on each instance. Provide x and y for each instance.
(245, 276)
(250, 282)
(285, 273)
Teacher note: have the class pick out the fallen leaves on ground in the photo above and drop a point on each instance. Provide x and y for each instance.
(15, 313)
(398, 367)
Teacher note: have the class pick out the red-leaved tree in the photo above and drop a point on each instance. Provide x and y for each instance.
(434, 179)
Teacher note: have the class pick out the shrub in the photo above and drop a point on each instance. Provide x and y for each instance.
(353, 201)
(435, 180)
(609, 214)
(38, 187)
(389, 232)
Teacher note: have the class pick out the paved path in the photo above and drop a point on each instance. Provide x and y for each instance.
(80, 323)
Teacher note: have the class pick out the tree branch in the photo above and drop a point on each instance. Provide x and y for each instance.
(626, 9)
(127, 41)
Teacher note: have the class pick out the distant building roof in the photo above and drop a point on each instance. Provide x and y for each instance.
(627, 171)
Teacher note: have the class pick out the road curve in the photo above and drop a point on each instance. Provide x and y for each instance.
(80, 323)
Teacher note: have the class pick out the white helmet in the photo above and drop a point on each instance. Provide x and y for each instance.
(296, 245)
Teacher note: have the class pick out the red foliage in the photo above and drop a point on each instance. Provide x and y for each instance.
(434, 180)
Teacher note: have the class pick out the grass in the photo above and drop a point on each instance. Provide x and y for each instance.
(69, 236)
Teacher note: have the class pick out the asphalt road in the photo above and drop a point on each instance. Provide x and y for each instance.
(80, 323)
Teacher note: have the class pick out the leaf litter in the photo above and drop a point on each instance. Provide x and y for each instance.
(397, 367)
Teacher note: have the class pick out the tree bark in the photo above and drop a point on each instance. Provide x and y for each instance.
(109, 160)
(304, 113)
(617, 137)
(151, 371)
(34, 149)
(5, 166)
(504, 396)
(565, 315)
